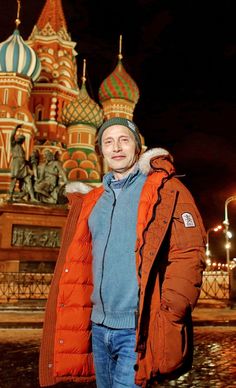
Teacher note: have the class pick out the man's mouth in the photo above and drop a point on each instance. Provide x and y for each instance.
(118, 157)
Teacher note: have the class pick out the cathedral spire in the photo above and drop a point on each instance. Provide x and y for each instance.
(84, 72)
(51, 22)
(17, 21)
(120, 56)
(53, 15)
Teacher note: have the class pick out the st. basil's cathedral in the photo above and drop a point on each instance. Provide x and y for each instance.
(42, 90)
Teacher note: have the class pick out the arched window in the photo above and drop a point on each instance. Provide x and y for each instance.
(39, 113)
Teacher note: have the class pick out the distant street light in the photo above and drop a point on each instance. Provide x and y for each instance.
(228, 236)
(215, 229)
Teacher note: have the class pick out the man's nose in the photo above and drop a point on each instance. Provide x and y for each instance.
(117, 146)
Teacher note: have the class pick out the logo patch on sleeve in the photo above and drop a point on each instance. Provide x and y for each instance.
(188, 220)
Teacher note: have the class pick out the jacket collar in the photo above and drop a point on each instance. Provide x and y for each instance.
(108, 179)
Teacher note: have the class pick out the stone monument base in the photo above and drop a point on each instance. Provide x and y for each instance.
(30, 234)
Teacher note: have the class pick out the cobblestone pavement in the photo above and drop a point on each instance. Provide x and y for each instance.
(214, 360)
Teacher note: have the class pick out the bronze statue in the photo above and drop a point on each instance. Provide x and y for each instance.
(20, 170)
(47, 186)
(38, 182)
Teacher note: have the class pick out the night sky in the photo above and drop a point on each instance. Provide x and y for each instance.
(182, 55)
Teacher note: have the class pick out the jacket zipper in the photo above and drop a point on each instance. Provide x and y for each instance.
(104, 253)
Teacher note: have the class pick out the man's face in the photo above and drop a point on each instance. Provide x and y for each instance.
(119, 149)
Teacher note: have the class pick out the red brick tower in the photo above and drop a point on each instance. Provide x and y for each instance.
(57, 83)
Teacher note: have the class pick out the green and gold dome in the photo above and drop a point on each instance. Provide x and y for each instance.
(83, 110)
(82, 117)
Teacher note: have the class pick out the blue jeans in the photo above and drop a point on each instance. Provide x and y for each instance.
(114, 356)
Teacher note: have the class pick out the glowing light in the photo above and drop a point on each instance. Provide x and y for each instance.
(215, 229)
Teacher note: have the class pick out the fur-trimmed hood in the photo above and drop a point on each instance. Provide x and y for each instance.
(155, 159)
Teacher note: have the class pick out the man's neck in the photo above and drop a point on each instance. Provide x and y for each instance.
(118, 175)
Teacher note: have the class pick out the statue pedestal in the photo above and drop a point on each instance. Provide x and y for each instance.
(30, 233)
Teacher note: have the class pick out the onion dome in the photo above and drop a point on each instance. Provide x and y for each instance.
(119, 84)
(17, 57)
(83, 110)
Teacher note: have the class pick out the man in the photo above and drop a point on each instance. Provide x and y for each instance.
(19, 169)
(131, 263)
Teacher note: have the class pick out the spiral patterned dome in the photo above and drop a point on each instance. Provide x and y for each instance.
(119, 84)
(17, 57)
(83, 110)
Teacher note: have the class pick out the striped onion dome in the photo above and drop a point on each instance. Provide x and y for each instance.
(119, 84)
(17, 57)
(83, 110)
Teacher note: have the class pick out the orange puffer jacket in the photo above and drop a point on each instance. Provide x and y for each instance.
(169, 261)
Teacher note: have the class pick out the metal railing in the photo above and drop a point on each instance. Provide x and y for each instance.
(17, 286)
(20, 286)
(215, 285)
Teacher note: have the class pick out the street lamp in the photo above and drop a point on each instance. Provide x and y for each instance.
(228, 235)
(215, 229)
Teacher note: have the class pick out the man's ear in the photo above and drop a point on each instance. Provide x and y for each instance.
(138, 151)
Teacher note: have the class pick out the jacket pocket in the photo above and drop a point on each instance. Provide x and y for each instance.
(169, 344)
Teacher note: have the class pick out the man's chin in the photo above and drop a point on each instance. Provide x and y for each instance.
(122, 170)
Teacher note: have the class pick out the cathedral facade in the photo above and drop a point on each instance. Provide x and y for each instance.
(40, 88)
(45, 96)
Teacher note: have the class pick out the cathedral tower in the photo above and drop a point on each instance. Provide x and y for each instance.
(19, 68)
(57, 83)
(119, 93)
(83, 117)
